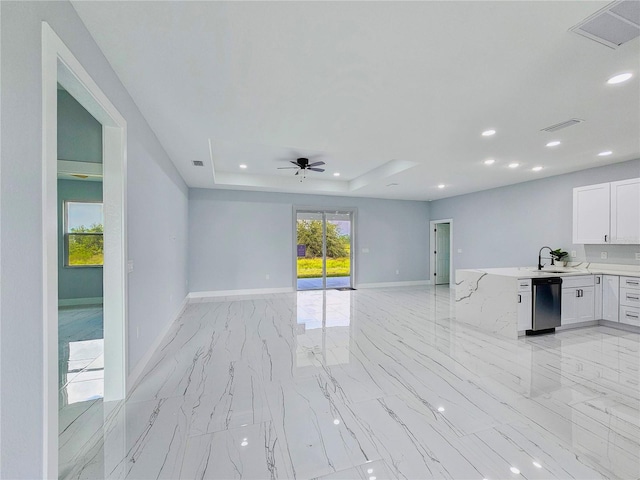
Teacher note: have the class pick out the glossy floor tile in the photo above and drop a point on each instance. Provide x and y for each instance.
(368, 384)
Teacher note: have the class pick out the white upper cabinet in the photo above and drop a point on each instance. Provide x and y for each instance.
(607, 213)
(591, 214)
(625, 211)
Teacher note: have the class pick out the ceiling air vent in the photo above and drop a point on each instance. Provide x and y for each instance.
(198, 163)
(615, 24)
(561, 125)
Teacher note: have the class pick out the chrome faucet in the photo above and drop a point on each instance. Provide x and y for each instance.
(540, 257)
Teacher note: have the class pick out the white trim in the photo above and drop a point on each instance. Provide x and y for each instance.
(59, 65)
(432, 242)
(71, 302)
(411, 283)
(134, 376)
(231, 293)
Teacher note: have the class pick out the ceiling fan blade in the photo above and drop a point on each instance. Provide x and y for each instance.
(316, 169)
(286, 168)
(297, 172)
(294, 162)
(316, 164)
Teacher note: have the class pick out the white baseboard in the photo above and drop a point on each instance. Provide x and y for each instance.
(230, 293)
(72, 302)
(133, 377)
(412, 283)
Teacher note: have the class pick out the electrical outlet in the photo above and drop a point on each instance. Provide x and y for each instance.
(603, 255)
(573, 254)
(397, 272)
(267, 276)
(365, 250)
(637, 255)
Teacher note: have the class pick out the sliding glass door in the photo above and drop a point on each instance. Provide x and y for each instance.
(323, 250)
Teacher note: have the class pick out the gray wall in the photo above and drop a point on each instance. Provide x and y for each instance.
(237, 237)
(79, 134)
(157, 223)
(76, 282)
(507, 226)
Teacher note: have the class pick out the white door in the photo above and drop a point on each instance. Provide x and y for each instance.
(591, 214)
(443, 253)
(625, 211)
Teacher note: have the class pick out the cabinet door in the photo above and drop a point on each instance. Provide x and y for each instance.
(598, 298)
(610, 297)
(569, 311)
(625, 211)
(586, 302)
(524, 311)
(591, 214)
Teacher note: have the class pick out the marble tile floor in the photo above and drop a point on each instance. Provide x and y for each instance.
(370, 384)
(80, 380)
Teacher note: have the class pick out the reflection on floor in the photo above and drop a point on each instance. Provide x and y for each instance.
(316, 283)
(377, 383)
(81, 379)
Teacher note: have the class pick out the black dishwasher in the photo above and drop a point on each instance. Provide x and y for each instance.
(546, 305)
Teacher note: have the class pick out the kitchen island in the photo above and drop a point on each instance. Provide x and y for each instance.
(488, 299)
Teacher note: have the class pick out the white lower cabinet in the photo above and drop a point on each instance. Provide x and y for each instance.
(578, 300)
(630, 301)
(610, 297)
(524, 304)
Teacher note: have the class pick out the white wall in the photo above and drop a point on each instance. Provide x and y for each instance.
(237, 237)
(157, 223)
(507, 226)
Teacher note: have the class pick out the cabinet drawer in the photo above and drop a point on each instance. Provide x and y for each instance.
(630, 315)
(629, 297)
(579, 281)
(524, 284)
(630, 282)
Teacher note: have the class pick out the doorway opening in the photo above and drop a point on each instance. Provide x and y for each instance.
(323, 253)
(73, 246)
(441, 261)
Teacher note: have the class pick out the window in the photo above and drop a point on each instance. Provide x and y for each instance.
(84, 245)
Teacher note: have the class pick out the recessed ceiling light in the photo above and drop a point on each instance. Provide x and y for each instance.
(623, 77)
(514, 165)
(441, 185)
(441, 409)
(555, 143)
(336, 174)
(488, 133)
(536, 169)
(336, 422)
(491, 161)
(515, 470)
(605, 153)
(537, 465)
(243, 166)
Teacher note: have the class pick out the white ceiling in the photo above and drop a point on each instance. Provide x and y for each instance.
(386, 92)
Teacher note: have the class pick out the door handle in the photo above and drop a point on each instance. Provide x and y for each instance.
(605, 238)
(519, 298)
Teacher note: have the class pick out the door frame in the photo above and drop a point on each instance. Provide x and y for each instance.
(352, 253)
(432, 242)
(59, 65)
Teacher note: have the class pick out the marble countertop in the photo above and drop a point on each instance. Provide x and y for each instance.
(555, 271)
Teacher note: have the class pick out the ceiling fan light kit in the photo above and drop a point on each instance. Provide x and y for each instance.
(302, 165)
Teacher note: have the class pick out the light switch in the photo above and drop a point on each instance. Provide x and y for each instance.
(603, 255)
(365, 250)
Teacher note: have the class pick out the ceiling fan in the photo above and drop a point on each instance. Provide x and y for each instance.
(302, 164)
